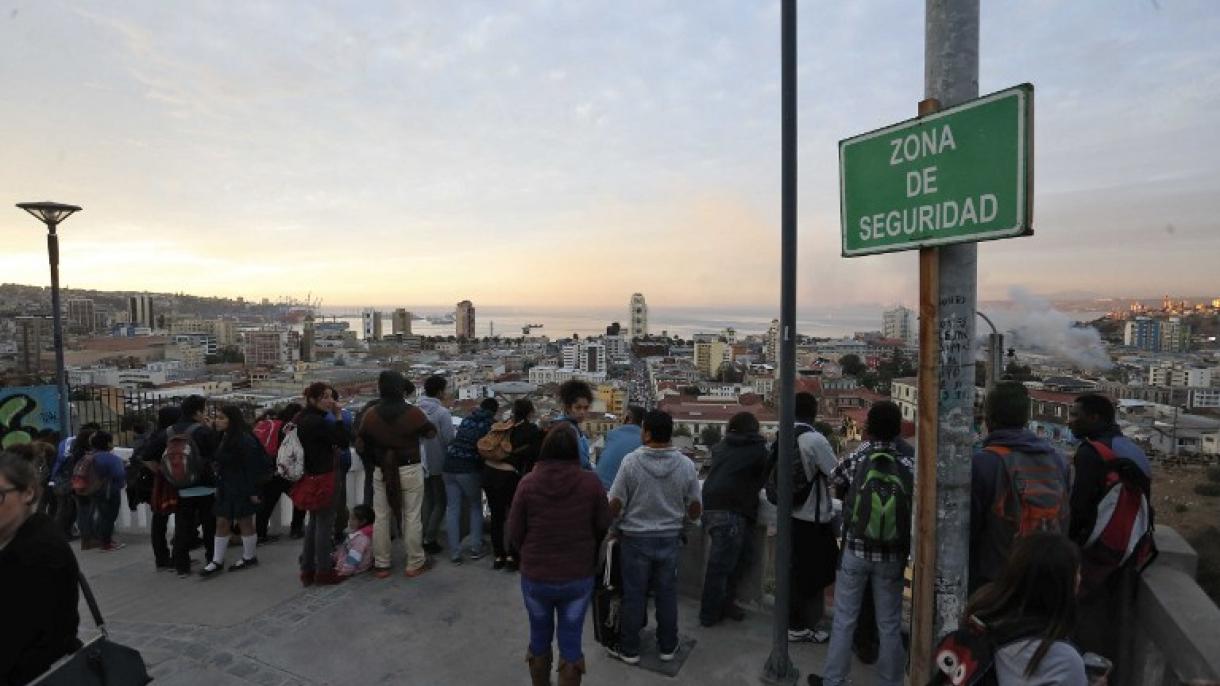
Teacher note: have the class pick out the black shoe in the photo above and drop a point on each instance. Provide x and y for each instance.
(510, 565)
(498, 563)
(814, 680)
(269, 538)
(165, 567)
(211, 569)
(243, 564)
(733, 612)
(432, 548)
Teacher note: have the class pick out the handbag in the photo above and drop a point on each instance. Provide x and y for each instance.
(314, 492)
(100, 661)
(608, 602)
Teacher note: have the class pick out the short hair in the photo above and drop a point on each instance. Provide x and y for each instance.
(434, 385)
(884, 421)
(659, 425)
(635, 414)
(193, 405)
(1007, 406)
(1098, 405)
(490, 405)
(168, 416)
(743, 423)
(316, 390)
(561, 443)
(391, 384)
(101, 440)
(290, 411)
(20, 472)
(805, 406)
(365, 513)
(574, 389)
(522, 409)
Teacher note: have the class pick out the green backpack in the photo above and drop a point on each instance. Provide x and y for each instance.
(880, 503)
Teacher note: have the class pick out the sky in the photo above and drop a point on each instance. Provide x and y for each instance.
(563, 153)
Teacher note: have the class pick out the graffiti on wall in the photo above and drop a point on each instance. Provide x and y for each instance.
(26, 410)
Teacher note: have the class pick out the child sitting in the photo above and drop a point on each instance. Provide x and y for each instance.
(353, 556)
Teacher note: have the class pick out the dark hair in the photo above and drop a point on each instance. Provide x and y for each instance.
(20, 472)
(659, 425)
(561, 443)
(409, 387)
(333, 391)
(1007, 406)
(574, 389)
(805, 406)
(193, 405)
(290, 411)
(522, 409)
(101, 440)
(91, 426)
(743, 423)
(391, 385)
(365, 513)
(635, 414)
(237, 422)
(168, 416)
(80, 445)
(1097, 405)
(1036, 591)
(316, 390)
(490, 405)
(884, 421)
(434, 385)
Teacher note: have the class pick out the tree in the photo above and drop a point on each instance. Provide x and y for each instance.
(832, 436)
(1017, 372)
(852, 366)
(681, 430)
(692, 390)
(710, 435)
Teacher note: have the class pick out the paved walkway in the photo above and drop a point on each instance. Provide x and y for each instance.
(454, 625)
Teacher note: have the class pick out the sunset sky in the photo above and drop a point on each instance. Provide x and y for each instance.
(539, 153)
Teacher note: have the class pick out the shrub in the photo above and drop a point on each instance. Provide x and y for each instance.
(1208, 488)
(1213, 473)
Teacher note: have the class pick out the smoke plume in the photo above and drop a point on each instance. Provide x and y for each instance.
(1039, 327)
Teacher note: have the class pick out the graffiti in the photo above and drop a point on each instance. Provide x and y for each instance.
(25, 411)
(954, 344)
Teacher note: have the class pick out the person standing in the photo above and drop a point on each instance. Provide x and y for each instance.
(876, 474)
(463, 467)
(500, 481)
(391, 431)
(105, 502)
(241, 463)
(814, 548)
(321, 440)
(66, 515)
(576, 396)
(619, 443)
(165, 496)
(277, 487)
(345, 465)
(433, 406)
(655, 491)
(730, 500)
(39, 587)
(558, 518)
(79, 504)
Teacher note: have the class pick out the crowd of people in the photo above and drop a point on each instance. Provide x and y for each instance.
(1040, 590)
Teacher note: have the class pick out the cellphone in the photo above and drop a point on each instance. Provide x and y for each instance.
(1096, 666)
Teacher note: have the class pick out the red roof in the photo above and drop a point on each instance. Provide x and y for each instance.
(809, 385)
(1052, 396)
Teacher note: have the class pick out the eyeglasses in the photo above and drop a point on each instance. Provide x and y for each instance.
(5, 491)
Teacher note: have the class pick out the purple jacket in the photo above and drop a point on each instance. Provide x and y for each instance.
(558, 519)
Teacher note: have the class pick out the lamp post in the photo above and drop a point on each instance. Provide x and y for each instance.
(995, 353)
(51, 214)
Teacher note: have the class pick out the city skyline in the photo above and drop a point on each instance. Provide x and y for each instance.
(620, 147)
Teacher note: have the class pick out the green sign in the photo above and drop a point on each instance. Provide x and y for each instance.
(960, 175)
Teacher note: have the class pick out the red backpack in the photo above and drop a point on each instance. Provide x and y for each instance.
(85, 480)
(182, 463)
(1123, 532)
(1033, 495)
(268, 434)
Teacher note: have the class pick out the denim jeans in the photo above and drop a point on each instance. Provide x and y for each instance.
(855, 573)
(105, 511)
(85, 518)
(434, 506)
(467, 489)
(727, 561)
(650, 564)
(567, 600)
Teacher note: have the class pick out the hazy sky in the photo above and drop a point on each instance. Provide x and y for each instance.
(536, 152)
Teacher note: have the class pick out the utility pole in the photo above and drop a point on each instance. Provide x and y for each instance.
(779, 668)
(951, 68)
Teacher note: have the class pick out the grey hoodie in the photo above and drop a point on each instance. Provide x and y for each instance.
(655, 485)
(434, 448)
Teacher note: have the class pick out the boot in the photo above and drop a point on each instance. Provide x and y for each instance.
(570, 672)
(540, 668)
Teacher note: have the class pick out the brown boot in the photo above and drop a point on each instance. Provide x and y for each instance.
(540, 668)
(570, 672)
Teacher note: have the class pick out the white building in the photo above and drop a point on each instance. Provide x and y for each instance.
(905, 393)
(1177, 375)
(140, 311)
(637, 315)
(371, 320)
(899, 323)
(771, 354)
(585, 356)
(550, 374)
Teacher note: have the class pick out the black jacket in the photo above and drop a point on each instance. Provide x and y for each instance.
(1088, 480)
(39, 593)
(526, 439)
(321, 440)
(737, 473)
(205, 438)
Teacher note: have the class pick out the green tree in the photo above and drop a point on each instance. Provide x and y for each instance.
(832, 436)
(1018, 372)
(681, 430)
(710, 435)
(852, 365)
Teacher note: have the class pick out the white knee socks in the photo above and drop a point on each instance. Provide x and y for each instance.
(248, 544)
(222, 547)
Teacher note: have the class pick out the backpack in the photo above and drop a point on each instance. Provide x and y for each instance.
(290, 458)
(139, 483)
(182, 463)
(802, 486)
(1123, 532)
(85, 480)
(881, 501)
(267, 432)
(495, 445)
(965, 657)
(1032, 497)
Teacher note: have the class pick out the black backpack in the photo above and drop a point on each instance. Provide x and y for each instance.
(802, 486)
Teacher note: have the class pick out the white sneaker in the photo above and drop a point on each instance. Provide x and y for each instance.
(629, 659)
(800, 635)
(668, 657)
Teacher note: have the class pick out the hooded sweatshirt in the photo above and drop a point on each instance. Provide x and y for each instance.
(989, 548)
(655, 486)
(434, 448)
(558, 518)
(737, 474)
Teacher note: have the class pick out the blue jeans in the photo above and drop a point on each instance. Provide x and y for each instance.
(105, 511)
(85, 518)
(650, 563)
(459, 488)
(854, 576)
(727, 561)
(544, 601)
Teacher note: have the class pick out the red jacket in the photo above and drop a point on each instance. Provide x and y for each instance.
(559, 516)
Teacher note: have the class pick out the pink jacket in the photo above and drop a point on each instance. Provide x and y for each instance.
(353, 556)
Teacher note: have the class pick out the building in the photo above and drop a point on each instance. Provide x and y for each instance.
(1177, 375)
(82, 318)
(205, 342)
(710, 354)
(550, 374)
(402, 322)
(637, 313)
(225, 332)
(905, 392)
(140, 311)
(33, 334)
(372, 325)
(464, 320)
(613, 397)
(272, 347)
(899, 323)
(308, 340)
(771, 347)
(585, 356)
(1175, 335)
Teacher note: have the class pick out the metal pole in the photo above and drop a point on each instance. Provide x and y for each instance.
(779, 668)
(61, 376)
(951, 68)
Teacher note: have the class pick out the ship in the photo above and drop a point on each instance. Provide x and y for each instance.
(528, 328)
(442, 319)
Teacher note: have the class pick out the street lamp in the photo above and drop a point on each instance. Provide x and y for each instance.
(51, 214)
(995, 353)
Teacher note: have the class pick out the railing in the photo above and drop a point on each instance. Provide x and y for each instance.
(118, 411)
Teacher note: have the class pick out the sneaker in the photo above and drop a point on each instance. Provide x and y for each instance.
(820, 636)
(477, 556)
(327, 579)
(211, 569)
(669, 657)
(307, 579)
(511, 565)
(243, 564)
(498, 563)
(412, 573)
(456, 560)
(800, 636)
(183, 575)
(618, 654)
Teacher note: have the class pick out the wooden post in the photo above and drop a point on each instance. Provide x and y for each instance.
(924, 576)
